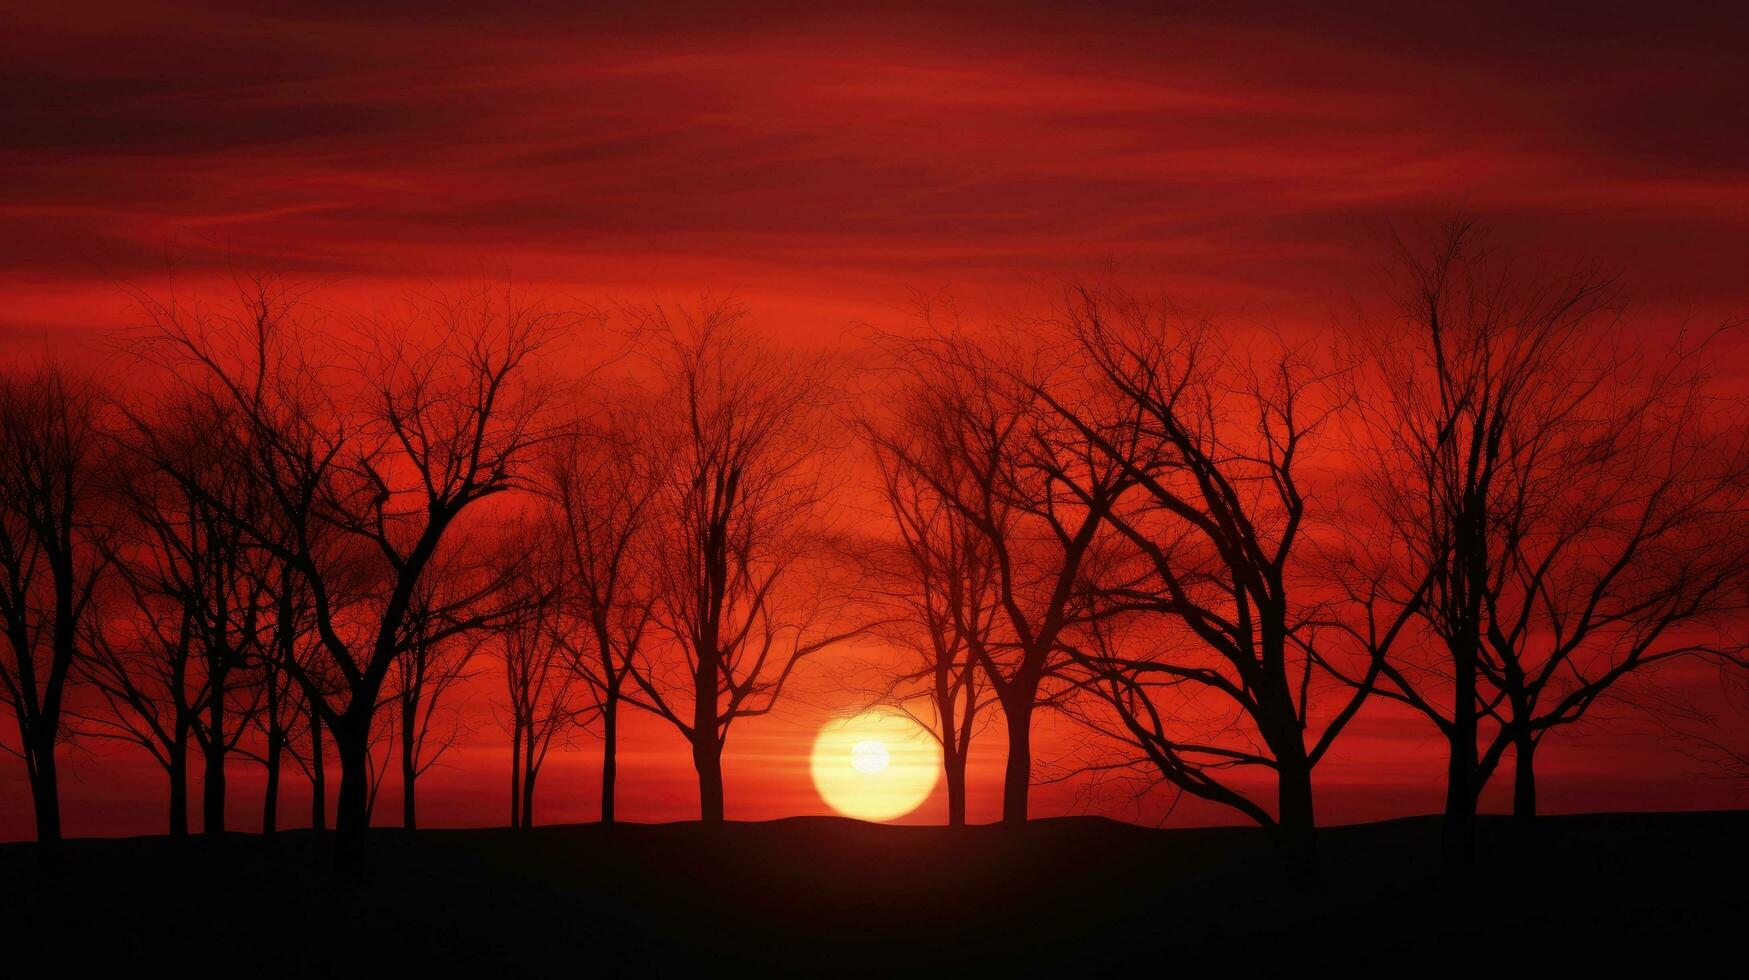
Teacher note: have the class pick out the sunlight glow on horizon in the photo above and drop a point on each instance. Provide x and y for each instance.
(875, 766)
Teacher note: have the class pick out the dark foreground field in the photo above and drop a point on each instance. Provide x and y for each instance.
(829, 898)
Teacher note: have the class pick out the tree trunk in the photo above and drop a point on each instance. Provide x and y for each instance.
(707, 750)
(213, 790)
(409, 767)
(609, 754)
(270, 802)
(516, 775)
(45, 793)
(953, 759)
(954, 768)
(528, 797)
(275, 742)
(213, 780)
(178, 772)
(352, 809)
(1283, 730)
(530, 769)
(318, 774)
(1017, 779)
(707, 758)
(1296, 821)
(1524, 793)
(1458, 833)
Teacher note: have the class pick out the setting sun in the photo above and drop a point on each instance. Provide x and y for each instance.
(875, 766)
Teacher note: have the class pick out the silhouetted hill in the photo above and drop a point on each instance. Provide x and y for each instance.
(829, 897)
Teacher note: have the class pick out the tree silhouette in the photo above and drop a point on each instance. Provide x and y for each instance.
(141, 665)
(1210, 570)
(284, 712)
(1575, 500)
(1036, 492)
(49, 565)
(434, 658)
(604, 475)
(297, 535)
(539, 682)
(204, 560)
(734, 530)
(173, 661)
(367, 471)
(941, 574)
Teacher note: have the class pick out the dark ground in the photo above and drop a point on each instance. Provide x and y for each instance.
(830, 898)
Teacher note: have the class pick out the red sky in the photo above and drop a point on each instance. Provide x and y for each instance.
(821, 165)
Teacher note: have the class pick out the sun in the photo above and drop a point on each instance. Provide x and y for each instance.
(870, 758)
(878, 765)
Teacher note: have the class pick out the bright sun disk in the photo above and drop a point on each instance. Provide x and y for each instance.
(875, 766)
(869, 757)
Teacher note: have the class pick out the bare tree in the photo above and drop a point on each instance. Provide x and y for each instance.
(171, 662)
(941, 574)
(538, 673)
(225, 590)
(49, 565)
(316, 766)
(1215, 449)
(1623, 548)
(377, 765)
(603, 477)
(141, 665)
(426, 670)
(284, 712)
(366, 471)
(1578, 502)
(736, 532)
(1037, 494)
(1481, 351)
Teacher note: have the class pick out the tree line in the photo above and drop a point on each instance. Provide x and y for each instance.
(290, 536)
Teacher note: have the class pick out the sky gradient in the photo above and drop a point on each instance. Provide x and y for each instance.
(821, 166)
